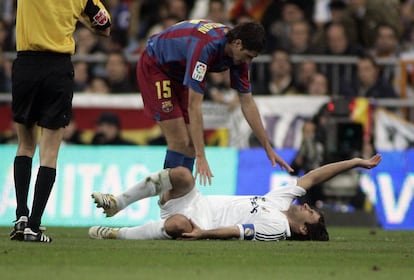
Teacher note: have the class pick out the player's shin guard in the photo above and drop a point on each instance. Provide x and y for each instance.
(150, 231)
(152, 185)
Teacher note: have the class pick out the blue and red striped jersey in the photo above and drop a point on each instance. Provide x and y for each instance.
(188, 50)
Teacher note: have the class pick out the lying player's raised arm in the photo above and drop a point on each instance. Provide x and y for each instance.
(328, 171)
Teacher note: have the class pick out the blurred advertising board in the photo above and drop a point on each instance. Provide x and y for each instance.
(85, 169)
(389, 187)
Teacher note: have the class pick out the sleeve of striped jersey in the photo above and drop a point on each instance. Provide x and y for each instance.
(270, 231)
(239, 78)
(195, 75)
(97, 14)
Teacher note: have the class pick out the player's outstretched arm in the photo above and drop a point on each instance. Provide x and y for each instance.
(251, 113)
(328, 171)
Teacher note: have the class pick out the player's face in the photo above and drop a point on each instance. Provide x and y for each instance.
(241, 55)
(305, 214)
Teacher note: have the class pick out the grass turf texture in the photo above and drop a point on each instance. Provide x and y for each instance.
(352, 253)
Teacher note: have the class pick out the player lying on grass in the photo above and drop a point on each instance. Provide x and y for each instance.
(185, 213)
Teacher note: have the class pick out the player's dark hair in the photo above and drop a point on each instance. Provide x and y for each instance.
(252, 35)
(176, 225)
(316, 231)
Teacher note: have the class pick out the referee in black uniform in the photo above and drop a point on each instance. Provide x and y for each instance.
(42, 91)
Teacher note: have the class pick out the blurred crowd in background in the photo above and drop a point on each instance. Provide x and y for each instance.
(317, 31)
(365, 30)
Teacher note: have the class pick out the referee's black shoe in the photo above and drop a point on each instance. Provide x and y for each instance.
(31, 236)
(18, 229)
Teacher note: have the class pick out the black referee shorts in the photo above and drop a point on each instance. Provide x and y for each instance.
(42, 89)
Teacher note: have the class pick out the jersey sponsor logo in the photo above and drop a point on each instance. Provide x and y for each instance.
(101, 18)
(255, 202)
(200, 71)
(167, 106)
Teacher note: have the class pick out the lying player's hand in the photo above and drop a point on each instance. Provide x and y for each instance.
(195, 234)
(370, 163)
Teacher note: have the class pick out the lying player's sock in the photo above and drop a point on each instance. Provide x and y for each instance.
(152, 230)
(152, 185)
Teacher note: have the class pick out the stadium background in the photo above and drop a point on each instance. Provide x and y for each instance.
(82, 169)
(238, 170)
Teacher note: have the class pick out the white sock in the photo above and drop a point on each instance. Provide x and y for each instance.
(149, 231)
(152, 185)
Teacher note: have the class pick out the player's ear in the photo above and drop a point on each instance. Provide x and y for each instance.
(237, 42)
(303, 230)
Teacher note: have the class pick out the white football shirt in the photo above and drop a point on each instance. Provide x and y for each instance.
(259, 216)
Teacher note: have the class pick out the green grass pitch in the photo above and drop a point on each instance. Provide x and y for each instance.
(352, 254)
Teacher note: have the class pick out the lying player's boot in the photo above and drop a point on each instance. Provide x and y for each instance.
(18, 229)
(31, 236)
(107, 202)
(98, 232)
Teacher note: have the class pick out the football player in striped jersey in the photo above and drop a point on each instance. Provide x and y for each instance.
(171, 74)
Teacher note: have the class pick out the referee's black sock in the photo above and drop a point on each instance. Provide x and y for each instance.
(22, 175)
(44, 183)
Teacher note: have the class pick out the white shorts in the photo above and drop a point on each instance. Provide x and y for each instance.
(192, 205)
